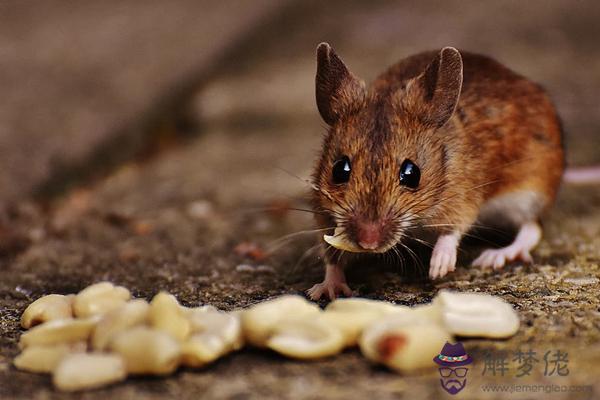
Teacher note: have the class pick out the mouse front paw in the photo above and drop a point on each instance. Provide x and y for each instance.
(333, 284)
(443, 258)
(330, 289)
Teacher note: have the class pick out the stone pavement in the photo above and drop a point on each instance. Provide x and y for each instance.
(172, 221)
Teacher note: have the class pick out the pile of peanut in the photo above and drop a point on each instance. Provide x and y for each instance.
(101, 335)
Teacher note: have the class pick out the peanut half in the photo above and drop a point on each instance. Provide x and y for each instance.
(147, 351)
(260, 320)
(88, 371)
(477, 315)
(47, 308)
(357, 304)
(306, 338)
(132, 313)
(168, 316)
(59, 331)
(44, 359)
(188, 311)
(339, 241)
(430, 311)
(98, 299)
(403, 342)
(214, 334)
(351, 316)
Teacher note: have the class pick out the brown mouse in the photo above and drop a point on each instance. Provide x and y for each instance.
(440, 142)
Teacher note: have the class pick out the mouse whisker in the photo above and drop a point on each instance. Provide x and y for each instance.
(274, 209)
(413, 255)
(401, 265)
(336, 253)
(306, 254)
(503, 234)
(441, 202)
(462, 226)
(278, 243)
(304, 180)
(423, 242)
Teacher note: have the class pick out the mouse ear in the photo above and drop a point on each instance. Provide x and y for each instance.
(441, 84)
(336, 87)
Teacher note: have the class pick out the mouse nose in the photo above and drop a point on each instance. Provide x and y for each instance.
(368, 235)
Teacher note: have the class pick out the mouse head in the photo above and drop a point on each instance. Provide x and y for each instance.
(382, 167)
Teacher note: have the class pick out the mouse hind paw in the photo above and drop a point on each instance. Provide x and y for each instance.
(497, 258)
(528, 237)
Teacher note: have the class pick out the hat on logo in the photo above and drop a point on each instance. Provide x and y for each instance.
(453, 355)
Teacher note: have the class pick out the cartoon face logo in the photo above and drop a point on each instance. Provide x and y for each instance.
(453, 361)
(453, 379)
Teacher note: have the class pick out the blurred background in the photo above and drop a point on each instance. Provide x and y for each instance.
(162, 144)
(88, 86)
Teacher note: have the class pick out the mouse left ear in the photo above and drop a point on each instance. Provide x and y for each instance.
(336, 87)
(441, 85)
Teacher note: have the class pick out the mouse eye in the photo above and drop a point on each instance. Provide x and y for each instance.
(341, 170)
(410, 175)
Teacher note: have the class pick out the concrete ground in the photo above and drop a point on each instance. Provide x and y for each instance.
(173, 219)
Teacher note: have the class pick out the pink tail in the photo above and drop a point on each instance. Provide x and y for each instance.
(582, 175)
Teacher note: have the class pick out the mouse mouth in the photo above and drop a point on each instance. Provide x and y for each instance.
(340, 241)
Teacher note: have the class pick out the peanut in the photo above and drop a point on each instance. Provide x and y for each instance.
(88, 371)
(132, 313)
(403, 342)
(168, 316)
(59, 331)
(44, 359)
(147, 351)
(47, 308)
(306, 338)
(477, 315)
(364, 305)
(188, 311)
(259, 321)
(431, 312)
(98, 299)
(339, 241)
(214, 334)
(351, 316)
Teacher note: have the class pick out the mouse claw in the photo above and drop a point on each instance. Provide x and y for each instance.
(332, 290)
(526, 257)
(315, 292)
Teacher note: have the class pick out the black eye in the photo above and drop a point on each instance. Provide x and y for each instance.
(341, 170)
(409, 174)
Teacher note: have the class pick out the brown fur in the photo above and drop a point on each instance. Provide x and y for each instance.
(502, 136)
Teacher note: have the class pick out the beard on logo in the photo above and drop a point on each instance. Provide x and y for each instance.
(453, 386)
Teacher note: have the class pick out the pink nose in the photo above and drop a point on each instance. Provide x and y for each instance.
(368, 235)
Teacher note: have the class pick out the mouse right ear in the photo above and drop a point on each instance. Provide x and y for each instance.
(336, 87)
(441, 84)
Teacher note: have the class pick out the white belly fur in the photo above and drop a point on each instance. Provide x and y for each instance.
(514, 208)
